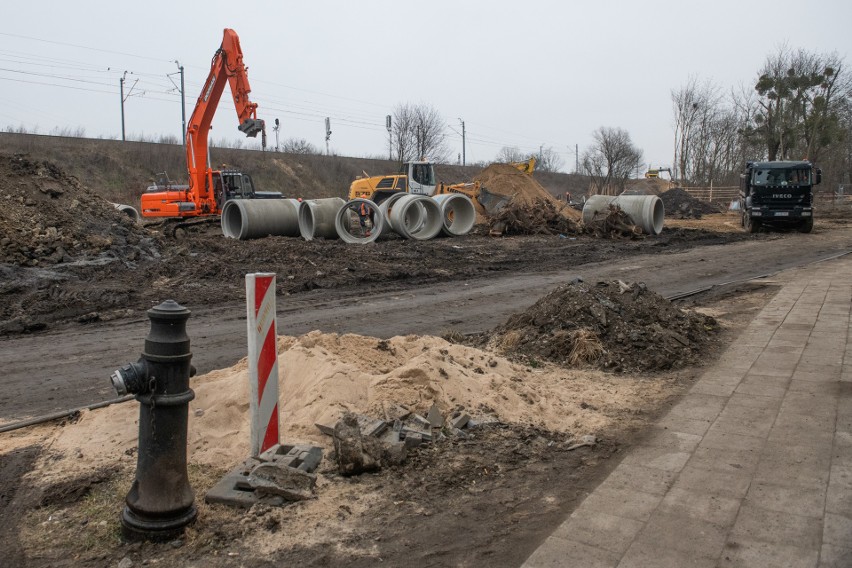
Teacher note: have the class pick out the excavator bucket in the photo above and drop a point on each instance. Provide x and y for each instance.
(492, 202)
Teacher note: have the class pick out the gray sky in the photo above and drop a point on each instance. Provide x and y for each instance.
(520, 74)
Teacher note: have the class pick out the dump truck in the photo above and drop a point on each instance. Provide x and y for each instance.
(778, 194)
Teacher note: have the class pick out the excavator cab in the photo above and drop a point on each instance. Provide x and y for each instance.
(421, 177)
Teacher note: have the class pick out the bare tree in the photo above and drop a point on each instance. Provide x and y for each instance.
(548, 160)
(418, 132)
(298, 146)
(509, 154)
(610, 160)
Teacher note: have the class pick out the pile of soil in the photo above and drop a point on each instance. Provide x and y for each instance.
(522, 188)
(646, 186)
(625, 327)
(614, 224)
(680, 204)
(539, 217)
(50, 218)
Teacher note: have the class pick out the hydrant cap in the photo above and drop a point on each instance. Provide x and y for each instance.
(169, 309)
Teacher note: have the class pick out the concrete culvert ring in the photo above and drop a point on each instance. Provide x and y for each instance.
(256, 218)
(432, 219)
(458, 214)
(129, 210)
(353, 227)
(317, 218)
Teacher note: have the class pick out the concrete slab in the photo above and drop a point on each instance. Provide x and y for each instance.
(803, 501)
(601, 530)
(645, 554)
(554, 552)
(755, 523)
(750, 554)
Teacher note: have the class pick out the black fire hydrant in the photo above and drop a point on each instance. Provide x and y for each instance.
(160, 502)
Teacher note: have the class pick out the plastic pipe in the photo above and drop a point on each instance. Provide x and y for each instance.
(646, 211)
(457, 213)
(343, 221)
(416, 217)
(316, 218)
(128, 210)
(256, 218)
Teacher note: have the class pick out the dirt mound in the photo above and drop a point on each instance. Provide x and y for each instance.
(524, 190)
(680, 204)
(540, 217)
(610, 325)
(646, 186)
(50, 218)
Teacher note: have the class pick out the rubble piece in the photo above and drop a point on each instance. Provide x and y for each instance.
(395, 454)
(354, 453)
(395, 412)
(460, 421)
(425, 435)
(680, 204)
(435, 418)
(327, 429)
(374, 428)
(421, 422)
(587, 440)
(459, 433)
(287, 482)
(540, 217)
(613, 223)
(239, 488)
(413, 439)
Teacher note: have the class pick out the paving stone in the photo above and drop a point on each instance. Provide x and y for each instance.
(554, 552)
(669, 438)
(716, 388)
(764, 386)
(835, 557)
(657, 458)
(816, 388)
(756, 400)
(809, 403)
(802, 429)
(841, 476)
(601, 530)
(838, 500)
(627, 503)
(685, 425)
(697, 505)
(782, 499)
(699, 406)
(639, 478)
(755, 523)
(745, 421)
(647, 554)
(750, 554)
(724, 440)
(817, 376)
(725, 460)
(684, 534)
(794, 466)
(837, 530)
(701, 480)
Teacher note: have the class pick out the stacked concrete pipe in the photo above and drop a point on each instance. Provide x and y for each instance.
(457, 213)
(317, 218)
(256, 218)
(646, 211)
(416, 217)
(341, 221)
(129, 210)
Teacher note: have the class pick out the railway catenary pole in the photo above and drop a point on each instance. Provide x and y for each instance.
(121, 94)
(464, 158)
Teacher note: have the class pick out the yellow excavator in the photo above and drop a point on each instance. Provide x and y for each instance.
(418, 177)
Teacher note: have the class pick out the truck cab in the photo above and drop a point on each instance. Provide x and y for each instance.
(778, 194)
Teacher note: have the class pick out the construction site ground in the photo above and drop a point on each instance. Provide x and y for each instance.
(363, 327)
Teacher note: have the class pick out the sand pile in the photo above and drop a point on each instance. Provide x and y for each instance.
(323, 375)
(680, 204)
(50, 218)
(609, 325)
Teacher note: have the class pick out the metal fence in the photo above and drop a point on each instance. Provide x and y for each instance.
(719, 194)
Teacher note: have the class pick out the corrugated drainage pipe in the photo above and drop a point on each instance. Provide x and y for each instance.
(646, 211)
(416, 217)
(457, 212)
(128, 210)
(316, 218)
(256, 218)
(343, 222)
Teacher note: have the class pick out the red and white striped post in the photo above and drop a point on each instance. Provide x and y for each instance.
(262, 361)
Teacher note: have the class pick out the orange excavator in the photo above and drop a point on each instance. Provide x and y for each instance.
(209, 189)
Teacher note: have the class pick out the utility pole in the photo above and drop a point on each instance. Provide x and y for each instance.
(540, 152)
(464, 156)
(327, 134)
(576, 158)
(390, 137)
(123, 98)
(182, 99)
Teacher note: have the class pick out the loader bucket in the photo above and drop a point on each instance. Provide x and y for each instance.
(492, 202)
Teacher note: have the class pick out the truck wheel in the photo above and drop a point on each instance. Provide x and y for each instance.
(749, 224)
(807, 225)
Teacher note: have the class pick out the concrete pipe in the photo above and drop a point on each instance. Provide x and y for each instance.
(256, 218)
(347, 222)
(457, 213)
(385, 209)
(129, 210)
(316, 218)
(646, 211)
(416, 217)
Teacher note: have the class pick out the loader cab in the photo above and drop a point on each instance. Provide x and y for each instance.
(421, 177)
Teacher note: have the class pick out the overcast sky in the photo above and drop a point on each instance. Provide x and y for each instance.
(522, 74)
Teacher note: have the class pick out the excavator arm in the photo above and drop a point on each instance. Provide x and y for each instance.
(227, 66)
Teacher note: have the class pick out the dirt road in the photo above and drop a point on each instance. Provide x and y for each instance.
(69, 367)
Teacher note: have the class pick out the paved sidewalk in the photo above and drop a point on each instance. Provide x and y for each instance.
(752, 467)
